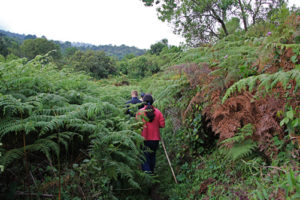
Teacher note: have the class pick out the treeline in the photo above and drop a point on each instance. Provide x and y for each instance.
(111, 50)
(89, 59)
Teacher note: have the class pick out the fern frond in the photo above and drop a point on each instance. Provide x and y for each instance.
(242, 134)
(241, 150)
(45, 146)
(55, 111)
(12, 106)
(11, 126)
(242, 146)
(11, 156)
(66, 137)
(267, 81)
(54, 124)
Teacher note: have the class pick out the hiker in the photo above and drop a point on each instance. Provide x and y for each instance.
(151, 131)
(134, 100)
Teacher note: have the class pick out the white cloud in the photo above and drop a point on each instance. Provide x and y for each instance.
(98, 22)
(92, 21)
(294, 2)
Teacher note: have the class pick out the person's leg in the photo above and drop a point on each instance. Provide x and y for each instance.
(152, 155)
(146, 165)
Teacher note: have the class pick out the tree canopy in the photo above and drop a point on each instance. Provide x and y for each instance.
(158, 47)
(199, 21)
(97, 63)
(68, 48)
(8, 46)
(39, 46)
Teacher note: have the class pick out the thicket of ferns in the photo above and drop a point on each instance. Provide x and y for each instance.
(241, 82)
(247, 80)
(51, 117)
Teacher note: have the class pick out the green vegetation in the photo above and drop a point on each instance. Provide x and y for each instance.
(40, 46)
(94, 62)
(231, 108)
(205, 21)
(56, 122)
(117, 52)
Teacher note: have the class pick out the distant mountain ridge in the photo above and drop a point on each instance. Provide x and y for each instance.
(111, 50)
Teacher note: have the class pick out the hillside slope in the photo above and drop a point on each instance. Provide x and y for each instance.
(111, 50)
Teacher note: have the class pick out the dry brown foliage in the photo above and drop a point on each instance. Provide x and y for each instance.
(243, 108)
(199, 75)
(122, 83)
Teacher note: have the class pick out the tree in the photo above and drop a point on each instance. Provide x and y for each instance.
(156, 48)
(233, 25)
(27, 37)
(3, 45)
(8, 46)
(195, 20)
(40, 46)
(198, 21)
(94, 62)
(70, 51)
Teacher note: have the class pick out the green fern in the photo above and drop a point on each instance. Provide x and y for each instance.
(241, 150)
(267, 82)
(12, 155)
(242, 134)
(53, 110)
(115, 163)
(242, 145)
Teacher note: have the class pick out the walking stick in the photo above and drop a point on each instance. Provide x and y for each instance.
(164, 147)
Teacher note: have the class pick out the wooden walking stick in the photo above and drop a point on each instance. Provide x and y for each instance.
(164, 147)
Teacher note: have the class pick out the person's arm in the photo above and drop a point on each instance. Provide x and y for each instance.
(161, 120)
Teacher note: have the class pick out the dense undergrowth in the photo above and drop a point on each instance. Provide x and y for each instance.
(239, 137)
(64, 135)
(232, 123)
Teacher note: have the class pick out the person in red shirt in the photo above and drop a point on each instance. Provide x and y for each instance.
(151, 133)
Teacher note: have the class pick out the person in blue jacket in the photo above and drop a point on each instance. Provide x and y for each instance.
(134, 100)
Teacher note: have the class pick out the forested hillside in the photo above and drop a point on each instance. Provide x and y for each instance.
(112, 50)
(231, 104)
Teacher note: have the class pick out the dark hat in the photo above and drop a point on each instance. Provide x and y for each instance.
(148, 99)
(142, 94)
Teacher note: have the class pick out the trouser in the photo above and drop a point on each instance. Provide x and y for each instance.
(149, 162)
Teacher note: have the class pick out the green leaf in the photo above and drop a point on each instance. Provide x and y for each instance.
(265, 193)
(284, 121)
(296, 122)
(260, 195)
(296, 196)
(290, 114)
(294, 59)
(289, 179)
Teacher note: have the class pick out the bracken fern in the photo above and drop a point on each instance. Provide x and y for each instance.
(241, 144)
(47, 113)
(264, 81)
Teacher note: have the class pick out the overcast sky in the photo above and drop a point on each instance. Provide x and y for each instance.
(98, 22)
